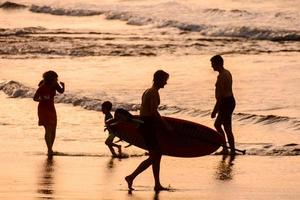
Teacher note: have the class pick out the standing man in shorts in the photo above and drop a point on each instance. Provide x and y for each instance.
(153, 123)
(225, 103)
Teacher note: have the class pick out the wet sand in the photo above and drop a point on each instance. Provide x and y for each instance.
(83, 168)
(73, 177)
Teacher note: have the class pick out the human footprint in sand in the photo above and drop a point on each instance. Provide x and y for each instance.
(46, 110)
(152, 122)
(106, 109)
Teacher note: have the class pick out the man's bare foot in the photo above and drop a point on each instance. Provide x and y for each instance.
(232, 153)
(120, 150)
(114, 155)
(129, 181)
(160, 188)
(223, 152)
(50, 153)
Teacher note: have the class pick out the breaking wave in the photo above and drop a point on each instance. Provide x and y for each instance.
(62, 11)
(291, 149)
(133, 18)
(206, 28)
(32, 42)
(15, 89)
(294, 123)
(11, 5)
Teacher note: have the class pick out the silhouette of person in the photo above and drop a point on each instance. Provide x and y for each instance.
(106, 108)
(46, 109)
(46, 182)
(152, 123)
(225, 103)
(224, 170)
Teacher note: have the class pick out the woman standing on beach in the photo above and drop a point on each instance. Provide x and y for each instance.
(46, 110)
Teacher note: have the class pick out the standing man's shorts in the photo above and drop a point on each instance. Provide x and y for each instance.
(226, 108)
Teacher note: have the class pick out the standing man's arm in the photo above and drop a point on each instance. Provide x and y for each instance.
(216, 109)
(36, 96)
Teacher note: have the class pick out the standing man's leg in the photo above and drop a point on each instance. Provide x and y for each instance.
(228, 124)
(230, 137)
(218, 126)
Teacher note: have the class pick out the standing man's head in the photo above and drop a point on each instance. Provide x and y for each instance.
(160, 79)
(217, 63)
(106, 107)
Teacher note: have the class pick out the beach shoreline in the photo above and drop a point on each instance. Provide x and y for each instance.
(82, 171)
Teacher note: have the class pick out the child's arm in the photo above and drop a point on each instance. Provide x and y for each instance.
(37, 96)
(60, 88)
(128, 145)
(120, 140)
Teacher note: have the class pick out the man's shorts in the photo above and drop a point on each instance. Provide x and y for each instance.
(226, 108)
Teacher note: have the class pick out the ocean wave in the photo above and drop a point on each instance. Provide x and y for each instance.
(292, 122)
(273, 150)
(11, 5)
(21, 31)
(33, 42)
(62, 11)
(38, 42)
(15, 89)
(235, 12)
(206, 29)
(269, 149)
(256, 33)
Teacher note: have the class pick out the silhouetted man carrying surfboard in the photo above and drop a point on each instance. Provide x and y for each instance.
(152, 122)
(225, 103)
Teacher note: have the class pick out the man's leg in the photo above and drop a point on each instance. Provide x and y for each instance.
(218, 126)
(142, 167)
(230, 137)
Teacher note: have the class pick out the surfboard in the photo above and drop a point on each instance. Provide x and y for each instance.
(187, 138)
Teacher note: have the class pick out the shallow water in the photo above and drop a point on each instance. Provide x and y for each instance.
(83, 168)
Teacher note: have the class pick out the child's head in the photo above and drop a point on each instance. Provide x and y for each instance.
(106, 107)
(50, 77)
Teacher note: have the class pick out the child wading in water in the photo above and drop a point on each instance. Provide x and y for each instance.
(106, 108)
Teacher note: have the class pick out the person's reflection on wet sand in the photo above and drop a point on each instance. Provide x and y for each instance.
(110, 163)
(156, 195)
(224, 169)
(46, 179)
